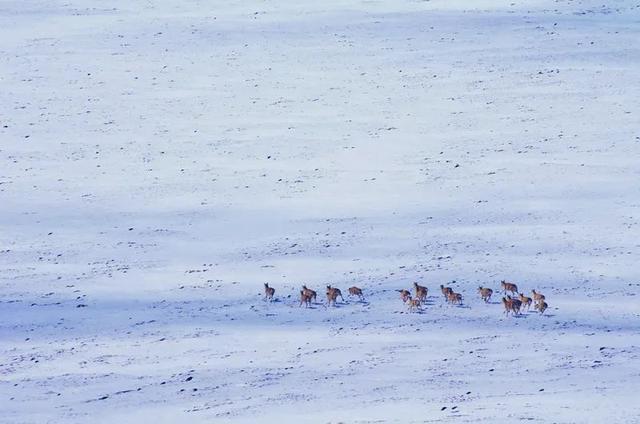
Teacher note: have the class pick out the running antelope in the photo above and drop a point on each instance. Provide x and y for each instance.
(311, 293)
(526, 301)
(509, 287)
(405, 295)
(485, 293)
(356, 291)
(268, 292)
(421, 292)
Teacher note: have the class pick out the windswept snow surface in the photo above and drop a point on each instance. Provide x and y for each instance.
(161, 160)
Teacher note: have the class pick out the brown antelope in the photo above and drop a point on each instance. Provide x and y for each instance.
(356, 291)
(511, 305)
(485, 293)
(509, 287)
(526, 301)
(421, 292)
(454, 298)
(405, 295)
(332, 295)
(445, 291)
(305, 298)
(516, 305)
(541, 306)
(414, 304)
(537, 297)
(508, 305)
(268, 292)
(335, 290)
(311, 293)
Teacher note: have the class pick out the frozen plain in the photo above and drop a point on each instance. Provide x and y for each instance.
(161, 160)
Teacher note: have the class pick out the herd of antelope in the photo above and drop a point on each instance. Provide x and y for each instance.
(512, 305)
(515, 305)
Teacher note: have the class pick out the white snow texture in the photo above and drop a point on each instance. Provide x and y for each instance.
(162, 159)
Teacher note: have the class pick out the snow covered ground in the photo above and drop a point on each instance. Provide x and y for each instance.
(161, 160)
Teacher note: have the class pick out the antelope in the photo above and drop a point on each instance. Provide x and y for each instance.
(421, 292)
(311, 293)
(516, 305)
(356, 291)
(454, 298)
(305, 298)
(335, 290)
(332, 295)
(508, 305)
(405, 295)
(445, 291)
(485, 293)
(511, 305)
(509, 287)
(414, 304)
(537, 297)
(526, 301)
(541, 306)
(268, 292)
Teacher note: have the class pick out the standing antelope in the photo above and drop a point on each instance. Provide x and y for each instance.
(305, 298)
(526, 301)
(508, 305)
(421, 292)
(454, 298)
(509, 287)
(445, 291)
(485, 293)
(311, 293)
(356, 291)
(414, 304)
(537, 297)
(332, 295)
(541, 306)
(511, 305)
(268, 292)
(516, 305)
(405, 295)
